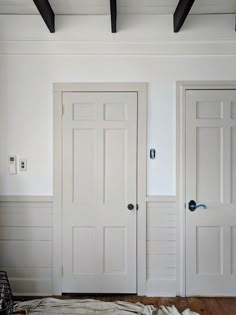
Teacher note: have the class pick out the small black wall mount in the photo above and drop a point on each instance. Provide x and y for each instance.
(152, 154)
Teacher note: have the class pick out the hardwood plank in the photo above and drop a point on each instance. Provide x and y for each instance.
(228, 305)
(200, 305)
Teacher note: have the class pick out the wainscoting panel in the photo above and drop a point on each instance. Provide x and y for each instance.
(26, 243)
(161, 246)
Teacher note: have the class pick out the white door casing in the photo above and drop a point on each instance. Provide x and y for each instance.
(99, 181)
(211, 180)
(58, 90)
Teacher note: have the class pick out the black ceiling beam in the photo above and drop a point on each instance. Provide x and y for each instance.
(181, 12)
(47, 13)
(113, 9)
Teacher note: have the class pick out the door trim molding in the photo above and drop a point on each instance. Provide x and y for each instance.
(58, 89)
(181, 88)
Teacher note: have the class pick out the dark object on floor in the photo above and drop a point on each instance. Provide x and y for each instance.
(6, 298)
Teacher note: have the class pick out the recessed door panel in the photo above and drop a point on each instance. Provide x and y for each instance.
(233, 164)
(115, 187)
(208, 250)
(84, 165)
(115, 250)
(84, 249)
(233, 249)
(209, 110)
(209, 161)
(84, 111)
(233, 109)
(115, 111)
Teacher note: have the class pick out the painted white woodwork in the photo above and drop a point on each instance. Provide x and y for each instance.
(150, 35)
(26, 243)
(141, 90)
(161, 246)
(99, 181)
(123, 7)
(210, 179)
(18, 7)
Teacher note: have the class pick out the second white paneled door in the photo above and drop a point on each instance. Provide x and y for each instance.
(99, 182)
(211, 181)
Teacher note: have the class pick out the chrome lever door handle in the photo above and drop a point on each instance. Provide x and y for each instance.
(193, 206)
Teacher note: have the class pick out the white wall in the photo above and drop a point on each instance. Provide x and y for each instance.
(31, 59)
(26, 108)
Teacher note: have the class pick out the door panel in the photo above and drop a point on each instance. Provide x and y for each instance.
(115, 240)
(233, 161)
(83, 251)
(115, 190)
(209, 248)
(209, 161)
(210, 180)
(99, 180)
(84, 165)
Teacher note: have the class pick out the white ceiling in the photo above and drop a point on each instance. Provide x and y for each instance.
(123, 6)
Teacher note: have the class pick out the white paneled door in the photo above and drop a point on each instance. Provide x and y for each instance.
(99, 185)
(211, 181)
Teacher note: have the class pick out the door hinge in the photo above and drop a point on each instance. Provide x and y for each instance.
(136, 206)
(62, 109)
(62, 270)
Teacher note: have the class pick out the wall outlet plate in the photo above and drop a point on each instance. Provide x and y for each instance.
(23, 165)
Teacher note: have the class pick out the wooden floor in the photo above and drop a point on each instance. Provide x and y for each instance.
(203, 306)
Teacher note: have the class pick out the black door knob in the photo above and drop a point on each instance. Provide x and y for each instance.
(130, 206)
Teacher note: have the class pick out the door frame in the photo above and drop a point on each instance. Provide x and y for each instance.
(141, 90)
(181, 88)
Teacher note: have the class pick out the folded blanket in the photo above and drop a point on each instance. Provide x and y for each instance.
(49, 306)
(171, 310)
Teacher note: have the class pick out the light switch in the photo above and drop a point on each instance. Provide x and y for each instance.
(12, 165)
(23, 165)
